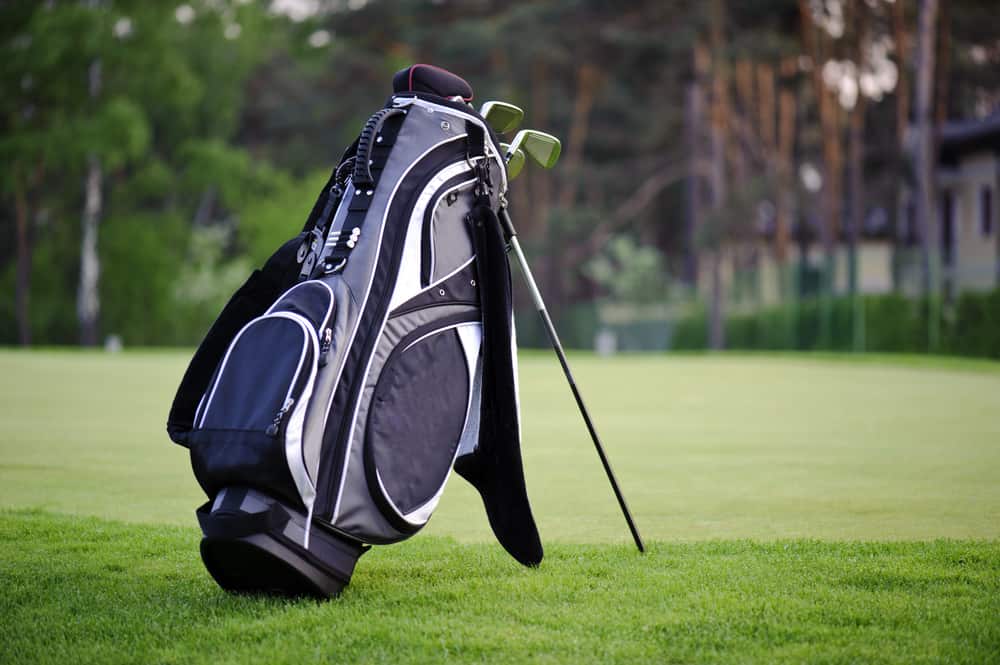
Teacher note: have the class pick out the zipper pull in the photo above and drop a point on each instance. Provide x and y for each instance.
(272, 429)
(325, 345)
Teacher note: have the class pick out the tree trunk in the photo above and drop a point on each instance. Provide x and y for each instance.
(22, 289)
(88, 301)
(924, 162)
(587, 82)
(857, 208)
(785, 204)
(693, 111)
(855, 157)
(720, 112)
(899, 184)
(829, 115)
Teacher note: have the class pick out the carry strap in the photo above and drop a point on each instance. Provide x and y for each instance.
(374, 145)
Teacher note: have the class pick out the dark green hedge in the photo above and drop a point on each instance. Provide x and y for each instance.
(892, 323)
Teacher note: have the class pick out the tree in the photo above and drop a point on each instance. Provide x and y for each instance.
(924, 160)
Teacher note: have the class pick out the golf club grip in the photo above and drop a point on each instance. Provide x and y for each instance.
(557, 347)
(366, 143)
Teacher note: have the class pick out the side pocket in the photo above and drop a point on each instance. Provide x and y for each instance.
(248, 428)
(418, 413)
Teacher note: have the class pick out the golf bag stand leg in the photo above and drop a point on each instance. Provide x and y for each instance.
(511, 236)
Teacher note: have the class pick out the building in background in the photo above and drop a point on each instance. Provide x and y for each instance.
(968, 181)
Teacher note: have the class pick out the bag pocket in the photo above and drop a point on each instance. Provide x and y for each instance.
(248, 428)
(416, 419)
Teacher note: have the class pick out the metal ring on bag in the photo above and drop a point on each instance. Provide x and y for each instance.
(328, 270)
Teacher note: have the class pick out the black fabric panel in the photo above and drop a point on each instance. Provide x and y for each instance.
(393, 237)
(458, 290)
(222, 458)
(495, 468)
(258, 293)
(257, 375)
(311, 300)
(431, 79)
(416, 420)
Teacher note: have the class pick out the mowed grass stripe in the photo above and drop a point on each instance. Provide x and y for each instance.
(705, 446)
(84, 590)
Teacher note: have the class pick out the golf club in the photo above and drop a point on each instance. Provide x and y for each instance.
(515, 162)
(501, 116)
(544, 149)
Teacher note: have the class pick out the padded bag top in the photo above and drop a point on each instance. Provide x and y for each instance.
(433, 80)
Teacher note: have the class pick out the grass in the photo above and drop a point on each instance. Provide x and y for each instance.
(704, 446)
(800, 508)
(86, 590)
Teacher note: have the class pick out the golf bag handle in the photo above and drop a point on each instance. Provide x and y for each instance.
(366, 143)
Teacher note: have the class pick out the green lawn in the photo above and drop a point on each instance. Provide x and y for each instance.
(771, 487)
(705, 446)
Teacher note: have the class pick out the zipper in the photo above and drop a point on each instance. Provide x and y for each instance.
(275, 425)
(325, 346)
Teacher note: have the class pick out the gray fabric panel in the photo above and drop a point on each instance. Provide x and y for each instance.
(450, 240)
(359, 516)
(344, 315)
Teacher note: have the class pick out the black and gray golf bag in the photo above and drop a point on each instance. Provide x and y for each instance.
(373, 353)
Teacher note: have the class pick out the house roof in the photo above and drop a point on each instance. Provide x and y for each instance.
(964, 136)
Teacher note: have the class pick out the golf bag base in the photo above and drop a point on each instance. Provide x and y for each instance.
(255, 544)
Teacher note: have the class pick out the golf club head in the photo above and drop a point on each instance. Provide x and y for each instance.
(515, 162)
(542, 148)
(501, 116)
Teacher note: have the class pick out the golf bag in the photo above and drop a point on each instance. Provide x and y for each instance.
(373, 353)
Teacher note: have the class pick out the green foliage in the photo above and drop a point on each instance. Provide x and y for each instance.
(690, 332)
(231, 120)
(976, 327)
(143, 256)
(267, 221)
(206, 282)
(630, 272)
(892, 323)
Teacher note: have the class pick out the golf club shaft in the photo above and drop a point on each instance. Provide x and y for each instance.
(557, 346)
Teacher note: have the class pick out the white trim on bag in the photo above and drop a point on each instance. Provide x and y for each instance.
(329, 309)
(415, 227)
